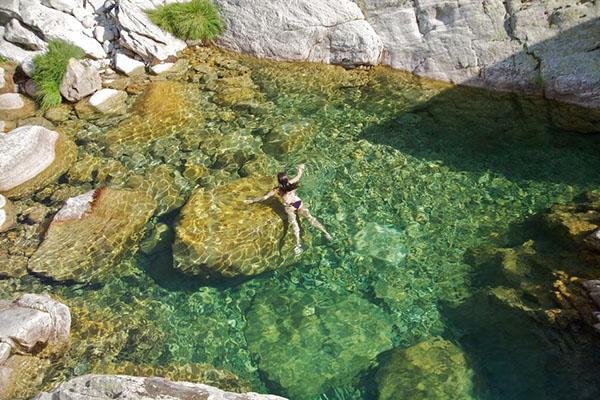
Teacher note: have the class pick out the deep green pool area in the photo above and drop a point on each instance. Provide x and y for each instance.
(414, 179)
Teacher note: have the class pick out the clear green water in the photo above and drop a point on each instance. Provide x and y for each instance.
(408, 176)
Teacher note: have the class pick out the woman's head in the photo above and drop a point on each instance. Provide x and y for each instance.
(284, 183)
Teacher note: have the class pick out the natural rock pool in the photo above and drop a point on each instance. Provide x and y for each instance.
(438, 282)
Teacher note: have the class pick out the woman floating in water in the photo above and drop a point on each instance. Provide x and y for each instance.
(293, 204)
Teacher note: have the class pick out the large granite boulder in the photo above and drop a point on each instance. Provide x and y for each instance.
(89, 234)
(8, 216)
(32, 157)
(434, 369)
(218, 235)
(14, 106)
(140, 35)
(141, 388)
(310, 342)
(32, 328)
(79, 81)
(323, 31)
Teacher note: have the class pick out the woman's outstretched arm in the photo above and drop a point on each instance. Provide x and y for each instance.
(265, 197)
(299, 175)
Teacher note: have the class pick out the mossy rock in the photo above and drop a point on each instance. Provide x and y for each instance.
(434, 369)
(309, 342)
(578, 220)
(218, 235)
(65, 153)
(85, 246)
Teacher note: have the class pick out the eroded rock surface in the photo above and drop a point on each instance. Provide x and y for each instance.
(31, 157)
(90, 233)
(140, 388)
(79, 81)
(326, 337)
(434, 369)
(217, 234)
(32, 328)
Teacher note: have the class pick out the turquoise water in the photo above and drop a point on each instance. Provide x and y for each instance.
(410, 177)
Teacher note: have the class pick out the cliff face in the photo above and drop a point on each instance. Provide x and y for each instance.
(533, 46)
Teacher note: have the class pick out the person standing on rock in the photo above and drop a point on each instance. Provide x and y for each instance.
(292, 204)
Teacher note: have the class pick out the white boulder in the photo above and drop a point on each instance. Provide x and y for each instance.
(18, 34)
(24, 153)
(105, 387)
(109, 101)
(161, 68)
(141, 36)
(129, 66)
(13, 106)
(304, 30)
(13, 52)
(2, 79)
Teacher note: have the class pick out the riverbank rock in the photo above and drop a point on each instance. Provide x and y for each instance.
(325, 31)
(218, 235)
(129, 66)
(32, 329)
(434, 369)
(8, 216)
(140, 388)
(79, 81)
(138, 34)
(579, 220)
(32, 157)
(14, 106)
(89, 234)
(312, 341)
(109, 101)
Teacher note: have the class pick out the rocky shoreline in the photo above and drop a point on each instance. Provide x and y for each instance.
(529, 47)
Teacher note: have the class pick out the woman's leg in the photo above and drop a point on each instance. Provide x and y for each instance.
(313, 221)
(291, 214)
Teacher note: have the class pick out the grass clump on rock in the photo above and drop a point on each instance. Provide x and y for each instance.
(49, 71)
(197, 19)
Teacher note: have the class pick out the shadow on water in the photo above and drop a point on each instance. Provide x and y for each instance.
(521, 137)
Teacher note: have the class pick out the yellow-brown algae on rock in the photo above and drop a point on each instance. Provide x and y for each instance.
(218, 235)
(434, 369)
(8, 217)
(288, 138)
(90, 233)
(32, 157)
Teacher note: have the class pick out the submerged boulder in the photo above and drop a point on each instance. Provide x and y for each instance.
(141, 388)
(14, 106)
(109, 101)
(32, 328)
(434, 369)
(217, 234)
(89, 234)
(32, 157)
(311, 341)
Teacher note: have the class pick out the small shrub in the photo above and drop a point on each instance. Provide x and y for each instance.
(197, 19)
(49, 71)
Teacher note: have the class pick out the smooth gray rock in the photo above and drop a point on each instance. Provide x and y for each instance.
(324, 31)
(139, 388)
(79, 81)
(109, 101)
(141, 36)
(13, 52)
(24, 153)
(14, 106)
(18, 34)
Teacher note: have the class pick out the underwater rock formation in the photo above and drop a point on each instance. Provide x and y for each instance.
(90, 233)
(434, 369)
(32, 329)
(140, 388)
(32, 157)
(218, 235)
(311, 341)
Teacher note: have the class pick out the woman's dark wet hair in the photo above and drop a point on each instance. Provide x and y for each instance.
(284, 183)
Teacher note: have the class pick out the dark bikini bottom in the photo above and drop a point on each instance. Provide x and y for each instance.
(296, 204)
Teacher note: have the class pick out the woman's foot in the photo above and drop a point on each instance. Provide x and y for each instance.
(298, 250)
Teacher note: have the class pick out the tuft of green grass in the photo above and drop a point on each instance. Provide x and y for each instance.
(197, 19)
(49, 71)
(2, 59)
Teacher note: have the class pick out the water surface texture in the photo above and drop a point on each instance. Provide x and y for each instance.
(411, 177)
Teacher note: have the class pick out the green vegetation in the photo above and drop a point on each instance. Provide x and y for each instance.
(198, 19)
(49, 71)
(2, 59)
